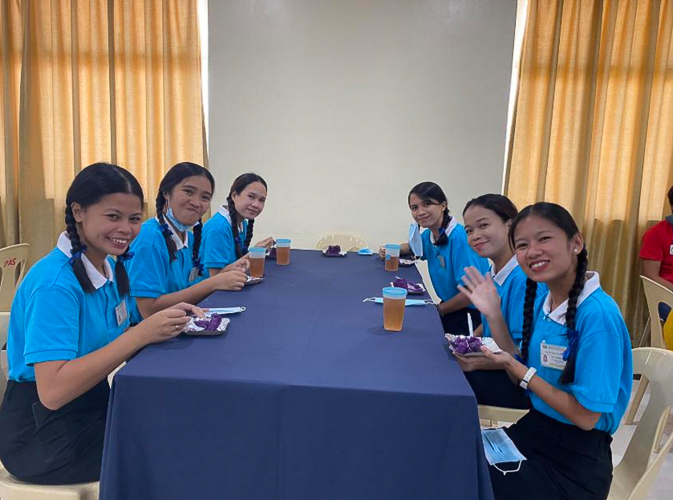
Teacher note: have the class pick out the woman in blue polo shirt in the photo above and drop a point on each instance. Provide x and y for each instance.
(69, 329)
(166, 269)
(225, 242)
(487, 222)
(577, 365)
(444, 245)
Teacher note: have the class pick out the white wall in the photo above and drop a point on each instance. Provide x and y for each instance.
(343, 105)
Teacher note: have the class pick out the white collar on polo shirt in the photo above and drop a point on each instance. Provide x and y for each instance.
(558, 315)
(224, 212)
(502, 275)
(179, 244)
(97, 279)
(452, 225)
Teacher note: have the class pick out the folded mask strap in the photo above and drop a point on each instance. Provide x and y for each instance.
(505, 472)
(370, 299)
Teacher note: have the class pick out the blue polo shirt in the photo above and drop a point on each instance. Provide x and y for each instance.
(151, 272)
(446, 263)
(217, 240)
(510, 282)
(604, 368)
(52, 319)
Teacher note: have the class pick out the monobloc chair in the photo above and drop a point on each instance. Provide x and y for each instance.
(347, 242)
(13, 489)
(11, 259)
(634, 475)
(654, 294)
(495, 414)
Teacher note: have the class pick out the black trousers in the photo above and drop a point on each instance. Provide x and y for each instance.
(456, 322)
(494, 388)
(563, 462)
(41, 446)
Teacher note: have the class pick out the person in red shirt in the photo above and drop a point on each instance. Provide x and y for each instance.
(657, 254)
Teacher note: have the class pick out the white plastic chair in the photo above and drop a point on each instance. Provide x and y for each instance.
(11, 258)
(495, 414)
(347, 242)
(635, 474)
(13, 489)
(654, 294)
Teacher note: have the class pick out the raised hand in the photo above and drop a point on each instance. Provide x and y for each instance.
(481, 291)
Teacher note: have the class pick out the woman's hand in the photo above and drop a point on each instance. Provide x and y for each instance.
(382, 252)
(229, 280)
(501, 360)
(472, 363)
(242, 264)
(481, 291)
(189, 309)
(266, 243)
(161, 326)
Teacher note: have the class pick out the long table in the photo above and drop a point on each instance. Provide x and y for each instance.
(306, 396)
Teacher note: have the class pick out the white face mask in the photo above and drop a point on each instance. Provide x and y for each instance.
(499, 448)
(415, 242)
(407, 303)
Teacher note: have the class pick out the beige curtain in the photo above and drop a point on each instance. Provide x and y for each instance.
(593, 128)
(86, 81)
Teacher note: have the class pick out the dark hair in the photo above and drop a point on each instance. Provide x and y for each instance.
(501, 205)
(429, 191)
(561, 218)
(178, 173)
(88, 187)
(670, 196)
(239, 184)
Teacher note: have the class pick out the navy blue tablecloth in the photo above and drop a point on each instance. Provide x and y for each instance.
(305, 397)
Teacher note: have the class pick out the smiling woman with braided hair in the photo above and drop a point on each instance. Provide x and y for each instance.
(443, 244)
(167, 268)
(228, 233)
(575, 362)
(69, 329)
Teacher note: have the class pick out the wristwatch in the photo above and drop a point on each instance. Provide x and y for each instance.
(526, 378)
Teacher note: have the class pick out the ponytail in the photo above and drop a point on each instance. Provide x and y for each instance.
(570, 356)
(528, 312)
(77, 250)
(443, 239)
(165, 231)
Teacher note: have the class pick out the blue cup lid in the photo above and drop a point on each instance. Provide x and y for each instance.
(257, 250)
(283, 241)
(394, 292)
(392, 247)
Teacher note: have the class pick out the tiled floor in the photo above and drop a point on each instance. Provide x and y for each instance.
(663, 485)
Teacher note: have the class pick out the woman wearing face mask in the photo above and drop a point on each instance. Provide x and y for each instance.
(166, 269)
(577, 364)
(444, 246)
(487, 222)
(69, 329)
(227, 235)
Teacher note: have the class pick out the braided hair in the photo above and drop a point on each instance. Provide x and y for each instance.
(430, 191)
(561, 218)
(88, 188)
(178, 173)
(239, 184)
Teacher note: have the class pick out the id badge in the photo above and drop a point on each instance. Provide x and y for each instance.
(440, 258)
(670, 250)
(551, 356)
(194, 273)
(122, 313)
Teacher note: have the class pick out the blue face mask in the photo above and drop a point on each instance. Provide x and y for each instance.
(176, 223)
(499, 448)
(415, 242)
